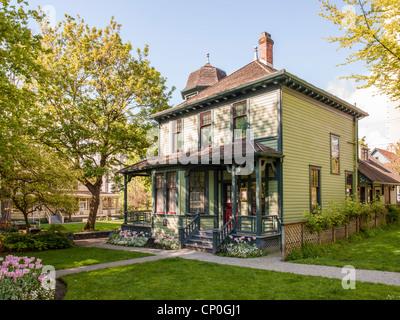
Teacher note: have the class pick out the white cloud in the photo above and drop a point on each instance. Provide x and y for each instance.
(373, 127)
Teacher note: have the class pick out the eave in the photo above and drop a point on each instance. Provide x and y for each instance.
(279, 78)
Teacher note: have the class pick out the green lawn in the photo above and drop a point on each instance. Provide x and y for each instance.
(180, 279)
(78, 226)
(81, 256)
(379, 251)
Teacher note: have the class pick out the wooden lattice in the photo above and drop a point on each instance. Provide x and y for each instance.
(295, 234)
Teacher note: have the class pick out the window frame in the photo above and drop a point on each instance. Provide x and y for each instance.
(318, 191)
(332, 137)
(235, 117)
(203, 187)
(171, 187)
(202, 125)
(175, 131)
(156, 192)
(349, 173)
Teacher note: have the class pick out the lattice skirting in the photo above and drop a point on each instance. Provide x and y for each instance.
(295, 234)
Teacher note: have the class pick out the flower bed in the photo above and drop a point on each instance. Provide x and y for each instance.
(240, 247)
(21, 278)
(167, 241)
(128, 238)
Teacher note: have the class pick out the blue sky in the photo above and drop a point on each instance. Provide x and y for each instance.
(180, 34)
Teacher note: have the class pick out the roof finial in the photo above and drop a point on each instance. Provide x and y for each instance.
(208, 58)
(255, 53)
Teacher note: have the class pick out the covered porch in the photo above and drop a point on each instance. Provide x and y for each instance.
(204, 203)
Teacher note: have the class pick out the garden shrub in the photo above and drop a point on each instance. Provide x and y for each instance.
(340, 214)
(393, 213)
(41, 241)
(307, 250)
(240, 247)
(167, 242)
(128, 238)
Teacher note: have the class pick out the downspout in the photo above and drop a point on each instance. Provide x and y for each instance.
(355, 183)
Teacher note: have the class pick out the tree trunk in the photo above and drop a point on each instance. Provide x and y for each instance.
(6, 210)
(27, 225)
(94, 203)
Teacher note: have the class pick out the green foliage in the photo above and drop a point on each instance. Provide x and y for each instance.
(340, 214)
(370, 29)
(240, 247)
(95, 108)
(307, 250)
(393, 213)
(42, 241)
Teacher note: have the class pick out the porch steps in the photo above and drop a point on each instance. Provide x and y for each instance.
(201, 240)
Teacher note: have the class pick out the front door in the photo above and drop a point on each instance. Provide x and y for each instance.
(228, 202)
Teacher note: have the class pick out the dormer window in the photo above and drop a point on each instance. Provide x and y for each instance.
(177, 138)
(240, 120)
(205, 130)
(364, 153)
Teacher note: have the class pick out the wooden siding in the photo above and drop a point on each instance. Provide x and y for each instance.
(306, 130)
(263, 120)
(264, 115)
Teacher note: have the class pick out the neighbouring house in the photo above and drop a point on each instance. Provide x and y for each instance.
(109, 207)
(384, 156)
(245, 153)
(376, 179)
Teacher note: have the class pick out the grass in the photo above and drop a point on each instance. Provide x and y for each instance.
(81, 256)
(377, 249)
(194, 280)
(78, 226)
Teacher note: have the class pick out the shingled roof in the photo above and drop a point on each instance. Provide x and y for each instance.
(213, 155)
(377, 172)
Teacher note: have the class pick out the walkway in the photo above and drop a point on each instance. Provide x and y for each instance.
(270, 262)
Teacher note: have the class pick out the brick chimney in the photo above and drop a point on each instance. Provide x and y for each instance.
(266, 49)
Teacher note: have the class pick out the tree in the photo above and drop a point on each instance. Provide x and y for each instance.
(38, 177)
(18, 67)
(373, 27)
(95, 108)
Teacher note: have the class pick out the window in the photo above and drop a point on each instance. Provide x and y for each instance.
(160, 193)
(349, 184)
(364, 153)
(171, 192)
(335, 154)
(240, 120)
(205, 129)
(177, 138)
(83, 205)
(197, 192)
(315, 184)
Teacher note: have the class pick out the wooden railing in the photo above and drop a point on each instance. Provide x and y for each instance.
(248, 224)
(138, 217)
(220, 235)
(186, 232)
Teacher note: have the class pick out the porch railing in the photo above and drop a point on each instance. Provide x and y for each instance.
(186, 231)
(138, 217)
(219, 235)
(248, 224)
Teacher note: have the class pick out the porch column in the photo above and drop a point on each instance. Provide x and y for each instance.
(234, 203)
(258, 197)
(125, 198)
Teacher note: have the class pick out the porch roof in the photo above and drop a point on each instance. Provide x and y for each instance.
(220, 155)
(377, 172)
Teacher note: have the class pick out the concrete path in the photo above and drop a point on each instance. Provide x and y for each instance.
(271, 262)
